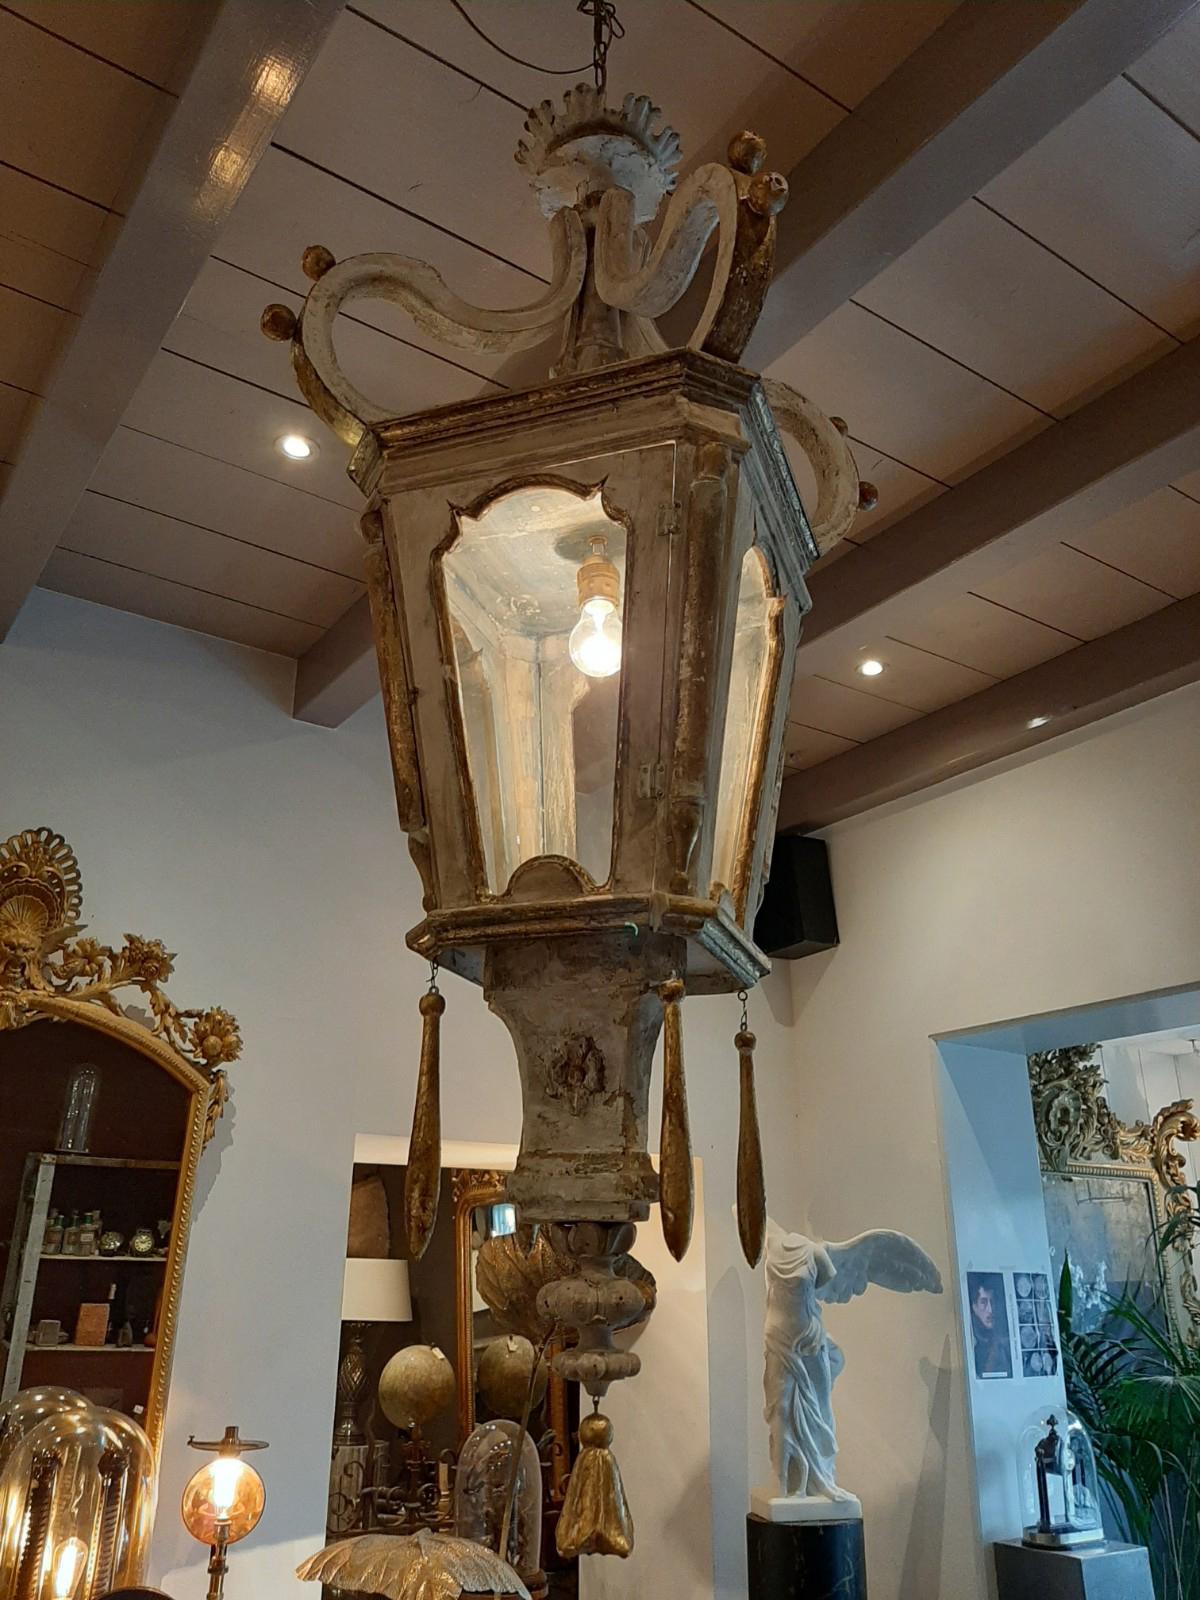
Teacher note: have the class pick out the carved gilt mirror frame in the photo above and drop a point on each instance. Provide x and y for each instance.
(1080, 1136)
(473, 1188)
(50, 973)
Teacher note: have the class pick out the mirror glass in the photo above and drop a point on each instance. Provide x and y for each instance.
(424, 1360)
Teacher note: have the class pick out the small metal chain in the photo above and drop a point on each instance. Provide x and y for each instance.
(744, 997)
(606, 26)
(433, 977)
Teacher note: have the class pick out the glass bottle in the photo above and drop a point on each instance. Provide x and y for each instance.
(52, 1239)
(70, 1245)
(87, 1240)
(78, 1106)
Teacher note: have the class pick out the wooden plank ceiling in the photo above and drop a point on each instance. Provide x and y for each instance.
(1063, 277)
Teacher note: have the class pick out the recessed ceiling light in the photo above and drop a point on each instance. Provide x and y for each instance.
(1037, 722)
(295, 446)
(870, 668)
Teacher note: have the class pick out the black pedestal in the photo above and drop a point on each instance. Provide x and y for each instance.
(806, 1560)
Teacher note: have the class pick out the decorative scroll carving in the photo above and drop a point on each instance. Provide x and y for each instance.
(841, 494)
(1073, 1119)
(43, 958)
(600, 175)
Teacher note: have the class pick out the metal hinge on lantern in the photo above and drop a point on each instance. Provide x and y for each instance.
(652, 780)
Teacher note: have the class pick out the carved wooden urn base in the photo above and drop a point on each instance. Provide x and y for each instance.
(584, 1012)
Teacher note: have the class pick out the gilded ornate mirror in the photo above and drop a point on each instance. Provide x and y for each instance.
(1110, 1189)
(104, 1112)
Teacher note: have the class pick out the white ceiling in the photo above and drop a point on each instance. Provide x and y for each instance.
(1071, 270)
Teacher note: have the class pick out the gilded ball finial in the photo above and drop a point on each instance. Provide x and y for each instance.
(768, 193)
(317, 261)
(278, 322)
(868, 496)
(747, 152)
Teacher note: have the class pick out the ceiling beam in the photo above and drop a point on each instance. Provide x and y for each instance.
(981, 90)
(251, 63)
(338, 674)
(1110, 453)
(1146, 658)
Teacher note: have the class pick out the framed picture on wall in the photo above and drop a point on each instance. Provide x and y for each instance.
(991, 1336)
(1035, 1324)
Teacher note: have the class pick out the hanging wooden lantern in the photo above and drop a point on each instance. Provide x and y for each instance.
(586, 599)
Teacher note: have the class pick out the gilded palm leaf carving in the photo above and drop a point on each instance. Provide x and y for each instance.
(422, 1566)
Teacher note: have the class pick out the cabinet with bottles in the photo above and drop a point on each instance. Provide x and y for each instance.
(83, 1287)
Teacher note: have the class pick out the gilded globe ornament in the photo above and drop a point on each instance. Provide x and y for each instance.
(278, 322)
(747, 152)
(505, 1369)
(417, 1383)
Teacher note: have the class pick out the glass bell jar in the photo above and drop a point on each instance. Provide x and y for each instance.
(77, 1495)
(1060, 1487)
(481, 1489)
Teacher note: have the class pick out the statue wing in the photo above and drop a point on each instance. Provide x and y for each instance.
(892, 1260)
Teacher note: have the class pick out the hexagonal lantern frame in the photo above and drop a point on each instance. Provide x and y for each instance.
(686, 453)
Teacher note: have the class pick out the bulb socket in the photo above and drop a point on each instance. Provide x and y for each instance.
(597, 578)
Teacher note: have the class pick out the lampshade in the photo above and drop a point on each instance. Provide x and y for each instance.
(376, 1291)
(223, 1502)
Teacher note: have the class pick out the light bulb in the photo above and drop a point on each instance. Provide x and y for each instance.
(870, 668)
(595, 642)
(226, 1475)
(69, 1562)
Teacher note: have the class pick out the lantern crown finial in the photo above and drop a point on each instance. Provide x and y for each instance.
(585, 147)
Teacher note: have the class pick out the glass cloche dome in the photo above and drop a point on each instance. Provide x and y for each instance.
(1060, 1488)
(485, 1466)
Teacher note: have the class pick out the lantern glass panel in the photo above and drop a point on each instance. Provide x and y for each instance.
(539, 714)
(755, 650)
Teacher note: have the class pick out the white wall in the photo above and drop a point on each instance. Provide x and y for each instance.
(266, 852)
(998, 1224)
(1054, 884)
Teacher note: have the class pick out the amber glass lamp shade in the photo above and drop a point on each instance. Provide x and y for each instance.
(77, 1493)
(223, 1502)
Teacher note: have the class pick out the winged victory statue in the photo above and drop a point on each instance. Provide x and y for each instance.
(803, 1362)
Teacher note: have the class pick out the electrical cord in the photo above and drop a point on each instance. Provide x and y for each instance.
(606, 27)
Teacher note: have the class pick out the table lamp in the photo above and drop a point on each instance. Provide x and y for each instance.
(373, 1290)
(223, 1502)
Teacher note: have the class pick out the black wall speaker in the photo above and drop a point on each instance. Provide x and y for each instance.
(797, 917)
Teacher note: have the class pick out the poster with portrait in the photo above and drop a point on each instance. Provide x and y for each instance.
(1036, 1338)
(991, 1336)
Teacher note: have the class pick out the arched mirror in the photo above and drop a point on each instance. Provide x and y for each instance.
(105, 1108)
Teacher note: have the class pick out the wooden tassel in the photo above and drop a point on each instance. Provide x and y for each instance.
(675, 1148)
(423, 1178)
(595, 1519)
(751, 1188)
